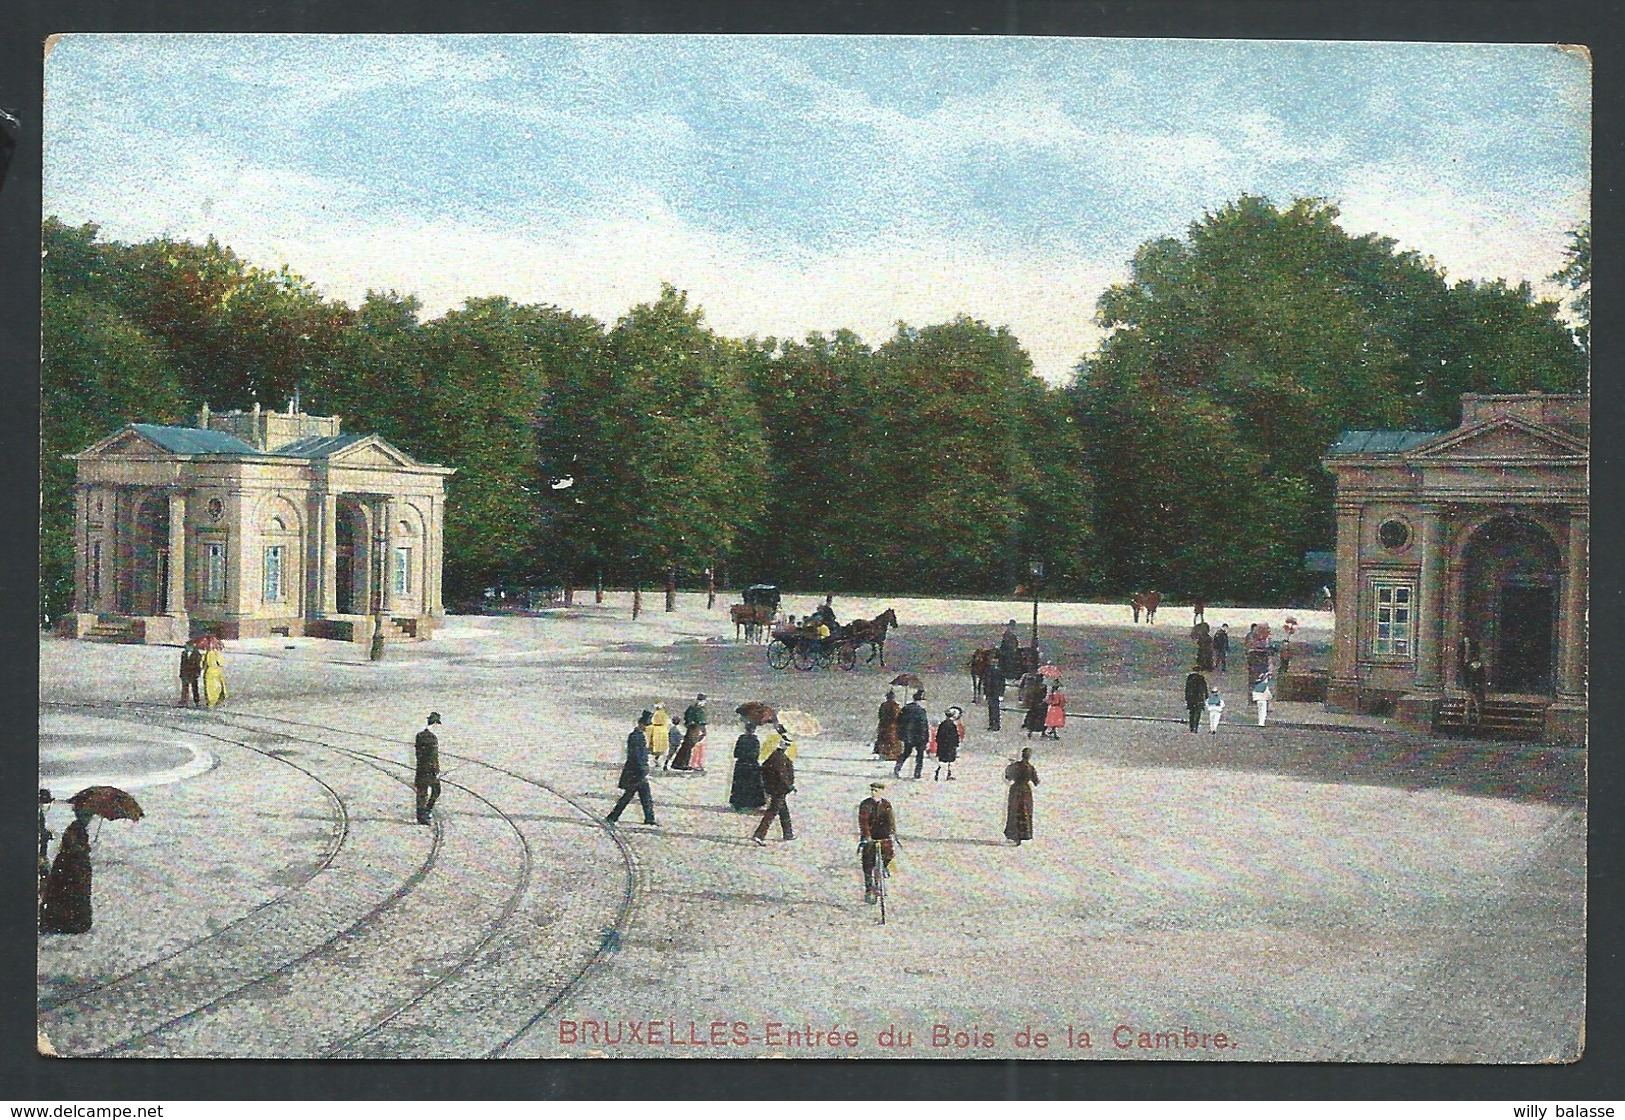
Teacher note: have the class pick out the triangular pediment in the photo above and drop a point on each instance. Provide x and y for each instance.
(1504, 438)
(373, 451)
(126, 443)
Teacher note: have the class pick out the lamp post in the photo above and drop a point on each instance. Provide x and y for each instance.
(1035, 570)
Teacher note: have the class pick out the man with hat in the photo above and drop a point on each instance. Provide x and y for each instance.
(635, 774)
(877, 832)
(914, 728)
(779, 781)
(427, 778)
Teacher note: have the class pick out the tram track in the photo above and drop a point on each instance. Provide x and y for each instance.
(503, 931)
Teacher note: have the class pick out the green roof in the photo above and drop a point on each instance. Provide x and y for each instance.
(1378, 443)
(317, 447)
(195, 441)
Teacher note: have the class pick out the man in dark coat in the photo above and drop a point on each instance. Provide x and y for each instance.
(914, 728)
(993, 688)
(1195, 696)
(1010, 649)
(191, 672)
(877, 832)
(427, 778)
(1221, 647)
(635, 774)
(779, 779)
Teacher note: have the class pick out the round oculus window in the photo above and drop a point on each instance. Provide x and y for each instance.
(1393, 534)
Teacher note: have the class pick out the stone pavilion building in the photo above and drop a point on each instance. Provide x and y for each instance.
(1472, 540)
(252, 524)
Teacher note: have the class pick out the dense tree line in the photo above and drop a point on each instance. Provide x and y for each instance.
(1183, 457)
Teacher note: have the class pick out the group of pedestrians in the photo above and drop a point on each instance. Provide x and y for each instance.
(202, 662)
(678, 744)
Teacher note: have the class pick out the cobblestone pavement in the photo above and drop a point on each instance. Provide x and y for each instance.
(1328, 889)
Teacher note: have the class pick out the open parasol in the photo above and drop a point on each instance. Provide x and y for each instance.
(802, 725)
(1049, 670)
(107, 801)
(209, 641)
(757, 712)
(908, 679)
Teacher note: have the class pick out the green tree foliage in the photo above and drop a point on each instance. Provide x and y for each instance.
(935, 463)
(1237, 355)
(1576, 274)
(660, 442)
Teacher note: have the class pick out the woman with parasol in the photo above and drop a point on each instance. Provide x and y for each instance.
(66, 907)
(887, 745)
(746, 791)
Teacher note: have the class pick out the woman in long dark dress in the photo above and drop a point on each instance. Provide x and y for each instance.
(887, 744)
(1034, 697)
(747, 791)
(67, 889)
(1018, 815)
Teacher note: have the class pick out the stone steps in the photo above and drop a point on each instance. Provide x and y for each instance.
(1500, 719)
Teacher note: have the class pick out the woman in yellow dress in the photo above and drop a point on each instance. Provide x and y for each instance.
(659, 733)
(214, 676)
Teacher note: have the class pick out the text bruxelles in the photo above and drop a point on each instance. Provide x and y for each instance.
(718, 1033)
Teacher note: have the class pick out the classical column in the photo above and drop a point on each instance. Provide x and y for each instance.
(386, 549)
(1428, 616)
(83, 503)
(1571, 623)
(1346, 633)
(177, 554)
(327, 565)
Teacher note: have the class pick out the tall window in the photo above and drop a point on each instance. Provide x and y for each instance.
(214, 573)
(1395, 618)
(96, 571)
(273, 573)
(403, 571)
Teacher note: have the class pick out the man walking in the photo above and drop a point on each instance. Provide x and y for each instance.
(914, 728)
(1221, 647)
(993, 689)
(779, 781)
(1195, 696)
(877, 832)
(635, 773)
(191, 672)
(427, 778)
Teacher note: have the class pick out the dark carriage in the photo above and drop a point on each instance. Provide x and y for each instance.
(793, 647)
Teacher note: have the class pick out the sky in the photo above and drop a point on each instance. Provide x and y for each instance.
(799, 184)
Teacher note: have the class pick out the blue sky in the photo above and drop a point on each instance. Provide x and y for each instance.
(808, 183)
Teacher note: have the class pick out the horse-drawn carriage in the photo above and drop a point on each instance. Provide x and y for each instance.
(805, 650)
(808, 651)
(752, 617)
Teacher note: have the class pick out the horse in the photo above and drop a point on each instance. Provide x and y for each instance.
(753, 621)
(1146, 601)
(872, 632)
(980, 662)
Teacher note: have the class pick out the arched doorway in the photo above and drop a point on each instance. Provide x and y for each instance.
(148, 588)
(1512, 579)
(350, 560)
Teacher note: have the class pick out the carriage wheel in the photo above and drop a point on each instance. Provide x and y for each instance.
(804, 656)
(847, 656)
(778, 654)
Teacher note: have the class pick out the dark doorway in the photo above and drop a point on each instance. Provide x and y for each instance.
(344, 564)
(1523, 662)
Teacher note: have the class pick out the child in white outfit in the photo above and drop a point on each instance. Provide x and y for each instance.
(1215, 710)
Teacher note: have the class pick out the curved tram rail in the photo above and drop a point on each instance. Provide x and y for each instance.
(462, 967)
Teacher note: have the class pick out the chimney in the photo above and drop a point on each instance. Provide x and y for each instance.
(203, 416)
